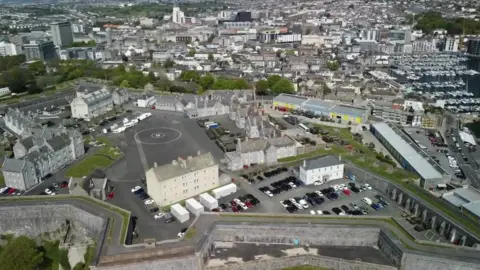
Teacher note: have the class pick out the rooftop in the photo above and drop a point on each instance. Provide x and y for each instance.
(183, 166)
(466, 197)
(322, 162)
(413, 157)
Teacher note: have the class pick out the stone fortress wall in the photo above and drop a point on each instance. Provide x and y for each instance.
(35, 220)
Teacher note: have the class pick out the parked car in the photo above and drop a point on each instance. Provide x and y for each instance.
(158, 215)
(375, 206)
(154, 210)
(182, 233)
(135, 189)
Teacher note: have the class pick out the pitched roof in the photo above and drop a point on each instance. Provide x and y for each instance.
(322, 162)
(183, 166)
(281, 141)
(13, 165)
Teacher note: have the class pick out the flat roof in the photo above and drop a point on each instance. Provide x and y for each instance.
(417, 161)
(179, 209)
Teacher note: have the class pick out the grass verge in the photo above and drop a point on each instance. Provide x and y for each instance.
(360, 221)
(190, 233)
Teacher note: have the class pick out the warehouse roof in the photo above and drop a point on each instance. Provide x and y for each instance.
(406, 149)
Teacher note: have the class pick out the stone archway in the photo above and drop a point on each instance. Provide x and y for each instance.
(424, 215)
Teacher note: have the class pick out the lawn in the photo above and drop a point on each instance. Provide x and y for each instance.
(2, 180)
(367, 160)
(102, 158)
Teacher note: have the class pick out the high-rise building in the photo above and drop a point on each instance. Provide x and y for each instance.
(178, 16)
(451, 44)
(62, 33)
(7, 48)
(40, 50)
(474, 47)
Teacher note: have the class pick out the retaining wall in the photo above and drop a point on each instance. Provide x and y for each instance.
(303, 234)
(414, 261)
(35, 220)
(414, 205)
(314, 260)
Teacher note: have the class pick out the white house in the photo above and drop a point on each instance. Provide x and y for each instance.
(89, 105)
(146, 101)
(322, 169)
(5, 91)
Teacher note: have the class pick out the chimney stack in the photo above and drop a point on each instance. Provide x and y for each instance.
(340, 157)
(304, 163)
(198, 153)
(155, 164)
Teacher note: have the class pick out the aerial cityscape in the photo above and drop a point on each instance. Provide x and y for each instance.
(226, 135)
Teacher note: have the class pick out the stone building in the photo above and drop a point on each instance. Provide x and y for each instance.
(43, 152)
(87, 104)
(260, 151)
(120, 96)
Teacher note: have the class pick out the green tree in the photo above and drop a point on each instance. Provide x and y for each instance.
(210, 57)
(207, 81)
(333, 65)
(192, 52)
(79, 266)
(308, 31)
(169, 63)
(189, 76)
(272, 80)
(20, 253)
(240, 84)
(151, 77)
(261, 87)
(37, 68)
(284, 85)
(125, 84)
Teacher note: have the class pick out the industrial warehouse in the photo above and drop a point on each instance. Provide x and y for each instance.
(409, 155)
(286, 102)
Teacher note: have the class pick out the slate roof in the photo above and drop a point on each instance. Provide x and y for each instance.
(175, 169)
(13, 165)
(27, 142)
(58, 142)
(322, 162)
(251, 145)
(97, 97)
(281, 141)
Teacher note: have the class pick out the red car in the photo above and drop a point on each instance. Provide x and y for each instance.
(245, 166)
(347, 192)
(11, 191)
(233, 203)
(234, 209)
(249, 204)
(110, 195)
(64, 184)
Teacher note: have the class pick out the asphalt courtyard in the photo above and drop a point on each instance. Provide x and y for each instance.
(161, 138)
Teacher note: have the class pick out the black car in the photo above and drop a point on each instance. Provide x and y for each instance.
(326, 213)
(260, 178)
(223, 206)
(170, 219)
(336, 210)
(249, 196)
(154, 210)
(319, 200)
(345, 208)
(311, 201)
(254, 201)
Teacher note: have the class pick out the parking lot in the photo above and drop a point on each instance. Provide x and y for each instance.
(420, 137)
(273, 204)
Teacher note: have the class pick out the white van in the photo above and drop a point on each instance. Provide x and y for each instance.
(118, 130)
(128, 125)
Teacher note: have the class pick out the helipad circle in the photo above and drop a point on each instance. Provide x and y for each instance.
(157, 135)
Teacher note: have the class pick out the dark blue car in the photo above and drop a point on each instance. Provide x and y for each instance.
(375, 206)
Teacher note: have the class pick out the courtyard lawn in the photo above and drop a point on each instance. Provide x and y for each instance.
(364, 157)
(101, 159)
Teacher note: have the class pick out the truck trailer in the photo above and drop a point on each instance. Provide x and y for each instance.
(180, 213)
(194, 206)
(208, 201)
(224, 191)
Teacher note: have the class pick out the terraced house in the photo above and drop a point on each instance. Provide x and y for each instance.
(45, 151)
(260, 151)
(88, 104)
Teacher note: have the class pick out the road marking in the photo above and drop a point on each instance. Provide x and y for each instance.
(143, 158)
